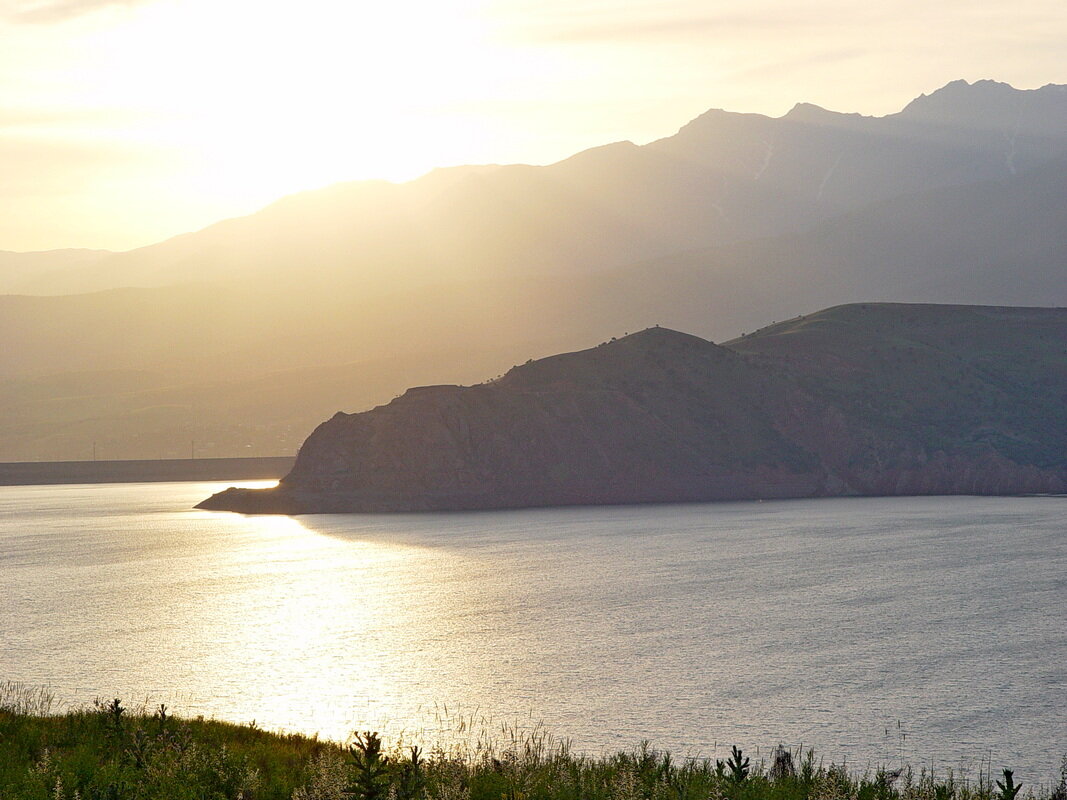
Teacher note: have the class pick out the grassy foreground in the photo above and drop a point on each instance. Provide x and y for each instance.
(107, 752)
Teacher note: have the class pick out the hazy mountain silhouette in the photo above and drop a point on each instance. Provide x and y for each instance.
(1002, 241)
(47, 272)
(722, 178)
(854, 400)
(997, 240)
(960, 197)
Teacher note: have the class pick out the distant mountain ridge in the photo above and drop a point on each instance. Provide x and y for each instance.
(724, 177)
(45, 271)
(994, 105)
(869, 399)
(961, 197)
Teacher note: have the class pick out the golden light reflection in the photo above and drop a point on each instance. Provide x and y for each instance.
(301, 591)
(265, 484)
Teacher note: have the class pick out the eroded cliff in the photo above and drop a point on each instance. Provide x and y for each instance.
(855, 400)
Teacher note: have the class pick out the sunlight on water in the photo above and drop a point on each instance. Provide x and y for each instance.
(268, 484)
(816, 622)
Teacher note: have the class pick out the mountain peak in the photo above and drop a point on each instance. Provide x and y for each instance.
(992, 104)
(809, 112)
(959, 92)
(618, 353)
(656, 334)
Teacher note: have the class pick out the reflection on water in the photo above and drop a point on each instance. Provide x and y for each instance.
(695, 626)
(265, 484)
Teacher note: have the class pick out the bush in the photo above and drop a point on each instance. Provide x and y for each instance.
(108, 752)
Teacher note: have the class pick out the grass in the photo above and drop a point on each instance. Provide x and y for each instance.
(107, 752)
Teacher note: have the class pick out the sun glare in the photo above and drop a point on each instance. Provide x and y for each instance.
(261, 100)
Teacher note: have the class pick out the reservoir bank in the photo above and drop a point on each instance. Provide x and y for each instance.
(42, 473)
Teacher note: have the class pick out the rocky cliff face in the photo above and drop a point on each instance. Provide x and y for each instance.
(856, 400)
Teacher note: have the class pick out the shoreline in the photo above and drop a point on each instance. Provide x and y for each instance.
(43, 473)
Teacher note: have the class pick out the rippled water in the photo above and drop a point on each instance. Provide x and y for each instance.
(823, 622)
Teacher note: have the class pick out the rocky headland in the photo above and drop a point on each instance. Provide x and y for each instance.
(865, 399)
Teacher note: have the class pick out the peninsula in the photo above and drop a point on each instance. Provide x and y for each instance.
(862, 399)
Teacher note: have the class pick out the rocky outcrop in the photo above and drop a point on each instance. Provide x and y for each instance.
(857, 400)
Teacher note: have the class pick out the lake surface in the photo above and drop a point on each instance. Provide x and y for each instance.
(929, 628)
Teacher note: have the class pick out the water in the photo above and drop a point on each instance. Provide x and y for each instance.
(933, 629)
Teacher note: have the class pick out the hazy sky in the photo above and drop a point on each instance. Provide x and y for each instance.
(126, 121)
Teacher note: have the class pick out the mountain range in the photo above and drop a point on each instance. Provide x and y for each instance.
(241, 336)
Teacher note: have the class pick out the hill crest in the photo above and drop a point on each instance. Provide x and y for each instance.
(859, 399)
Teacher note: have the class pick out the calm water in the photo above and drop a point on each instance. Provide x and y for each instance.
(695, 626)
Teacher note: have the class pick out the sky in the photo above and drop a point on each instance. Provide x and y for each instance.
(123, 122)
